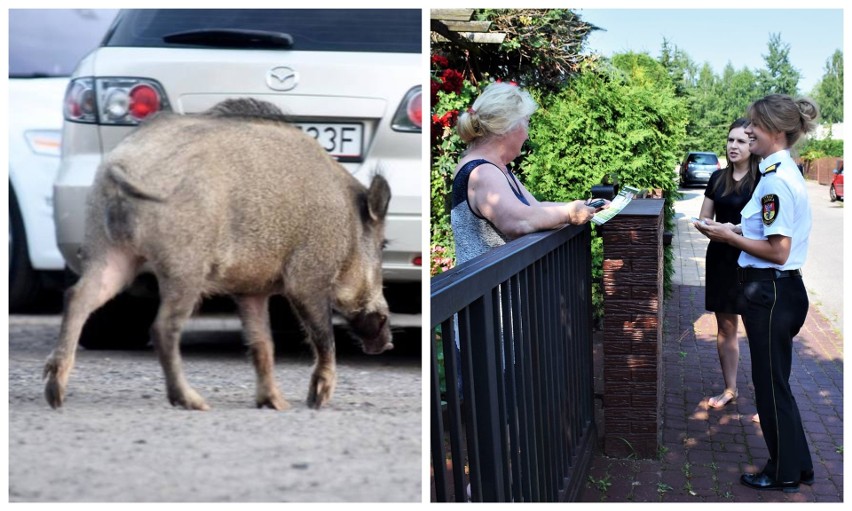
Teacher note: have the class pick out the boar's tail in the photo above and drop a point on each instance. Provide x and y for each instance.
(121, 195)
(129, 185)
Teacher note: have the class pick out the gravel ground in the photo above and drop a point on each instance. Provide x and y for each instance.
(118, 439)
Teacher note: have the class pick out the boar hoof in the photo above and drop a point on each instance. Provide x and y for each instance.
(54, 390)
(321, 389)
(273, 400)
(189, 400)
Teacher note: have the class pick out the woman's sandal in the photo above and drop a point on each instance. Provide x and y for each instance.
(722, 399)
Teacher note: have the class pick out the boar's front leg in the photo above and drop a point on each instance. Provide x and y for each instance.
(176, 305)
(315, 315)
(254, 312)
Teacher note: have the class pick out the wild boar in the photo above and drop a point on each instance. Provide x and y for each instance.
(232, 201)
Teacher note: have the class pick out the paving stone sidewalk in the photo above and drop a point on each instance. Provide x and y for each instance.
(704, 451)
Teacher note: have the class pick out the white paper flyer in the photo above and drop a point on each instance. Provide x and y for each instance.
(625, 195)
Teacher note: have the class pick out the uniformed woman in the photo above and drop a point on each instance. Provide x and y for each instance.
(774, 238)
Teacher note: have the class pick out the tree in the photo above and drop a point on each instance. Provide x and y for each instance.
(779, 77)
(705, 113)
(625, 122)
(736, 91)
(828, 92)
(679, 66)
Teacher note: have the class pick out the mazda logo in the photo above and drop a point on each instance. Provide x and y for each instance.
(282, 78)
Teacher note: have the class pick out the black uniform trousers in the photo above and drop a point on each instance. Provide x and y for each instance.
(775, 310)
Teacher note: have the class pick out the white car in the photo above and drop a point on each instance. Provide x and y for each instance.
(348, 77)
(39, 67)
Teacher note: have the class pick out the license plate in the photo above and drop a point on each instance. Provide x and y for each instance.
(344, 141)
(702, 174)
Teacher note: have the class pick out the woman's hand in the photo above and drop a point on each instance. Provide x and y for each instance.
(598, 204)
(580, 213)
(715, 231)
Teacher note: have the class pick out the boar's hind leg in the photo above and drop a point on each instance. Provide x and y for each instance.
(176, 305)
(102, 279)
(315, 315)
(254, 312)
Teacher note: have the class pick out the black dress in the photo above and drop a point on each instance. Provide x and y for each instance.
(721, 261)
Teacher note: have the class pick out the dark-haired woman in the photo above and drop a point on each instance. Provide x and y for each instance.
(728, 191)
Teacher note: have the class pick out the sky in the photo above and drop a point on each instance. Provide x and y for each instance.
(720, 36)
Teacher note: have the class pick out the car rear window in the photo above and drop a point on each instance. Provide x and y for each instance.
(356, 30)
(703, 159)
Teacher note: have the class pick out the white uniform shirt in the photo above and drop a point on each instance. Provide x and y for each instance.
(779, 205)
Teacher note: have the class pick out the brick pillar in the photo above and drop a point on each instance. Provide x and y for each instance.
(633, 329)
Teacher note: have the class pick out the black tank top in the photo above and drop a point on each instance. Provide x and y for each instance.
(463, 176)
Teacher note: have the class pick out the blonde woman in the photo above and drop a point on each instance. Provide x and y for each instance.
(489, 205)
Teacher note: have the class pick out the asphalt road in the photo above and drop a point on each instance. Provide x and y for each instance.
(823, 269)
(117, 439)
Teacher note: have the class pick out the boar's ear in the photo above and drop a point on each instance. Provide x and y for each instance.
(378, 197)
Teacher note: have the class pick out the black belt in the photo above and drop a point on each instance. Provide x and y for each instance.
(763, 274)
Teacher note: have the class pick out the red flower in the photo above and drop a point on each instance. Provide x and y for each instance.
(440, 61)
(443, 124)
(449, 119)
(437, 130)
(452, 80)
(435, 86)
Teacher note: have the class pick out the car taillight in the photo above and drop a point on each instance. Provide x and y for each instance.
(80, 101)
(120, 101)
(409, 115)
(144, 101)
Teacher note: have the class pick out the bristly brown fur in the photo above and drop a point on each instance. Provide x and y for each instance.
(248, 109)
(234, 202)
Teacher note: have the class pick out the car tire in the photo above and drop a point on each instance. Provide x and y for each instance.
(832, 193)
(24, 282)
(122, 323)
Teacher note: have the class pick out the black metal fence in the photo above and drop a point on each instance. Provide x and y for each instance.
(511, 388)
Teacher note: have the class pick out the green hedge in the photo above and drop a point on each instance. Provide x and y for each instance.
(608, 126)
(617, 121)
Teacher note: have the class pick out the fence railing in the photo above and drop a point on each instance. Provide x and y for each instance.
(512, 372)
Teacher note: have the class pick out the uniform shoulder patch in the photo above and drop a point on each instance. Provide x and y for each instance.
(770, 205)
(770, 169)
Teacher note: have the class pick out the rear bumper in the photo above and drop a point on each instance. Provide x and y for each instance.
(697, 178)
(69, 215)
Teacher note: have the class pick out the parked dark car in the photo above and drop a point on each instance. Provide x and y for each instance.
(697, 167)
(835, 191)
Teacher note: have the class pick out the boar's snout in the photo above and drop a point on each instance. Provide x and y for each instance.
(373, 330)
